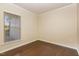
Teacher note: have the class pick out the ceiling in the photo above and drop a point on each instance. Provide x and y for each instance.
(41, 7)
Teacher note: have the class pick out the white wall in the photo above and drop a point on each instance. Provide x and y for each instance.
(59, 26)
(28, 26)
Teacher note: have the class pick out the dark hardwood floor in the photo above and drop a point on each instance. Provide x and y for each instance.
(40, 48)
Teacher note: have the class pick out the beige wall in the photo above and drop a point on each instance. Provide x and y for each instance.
(59, 26)
(78, 25)
(28, 25)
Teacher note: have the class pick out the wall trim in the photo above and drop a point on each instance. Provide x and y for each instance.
(13, 45)
(60, 44)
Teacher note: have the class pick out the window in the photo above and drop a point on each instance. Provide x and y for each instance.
(11, 27)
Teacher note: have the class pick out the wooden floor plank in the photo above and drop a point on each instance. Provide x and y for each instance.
(41, 48)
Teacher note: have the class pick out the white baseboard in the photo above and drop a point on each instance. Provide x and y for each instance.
(78, 51)
(59, 44)
(12, 45)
